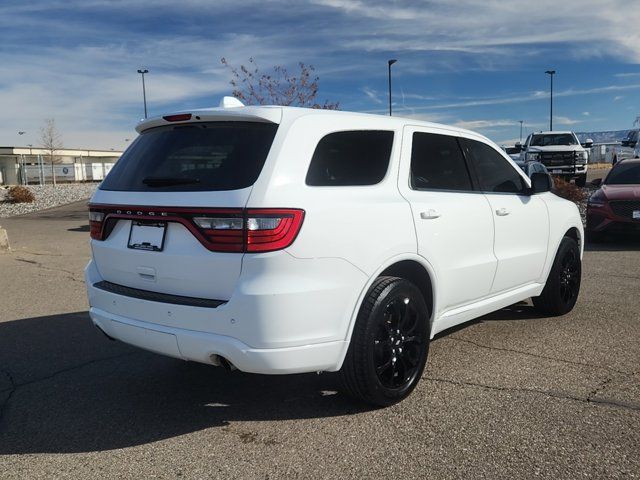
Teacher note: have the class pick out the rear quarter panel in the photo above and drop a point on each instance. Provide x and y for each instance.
(365, 225)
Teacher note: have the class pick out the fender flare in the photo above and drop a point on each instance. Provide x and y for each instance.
(386, 264)
(567, 226)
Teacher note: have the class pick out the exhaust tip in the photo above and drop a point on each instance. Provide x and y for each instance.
(230, 367)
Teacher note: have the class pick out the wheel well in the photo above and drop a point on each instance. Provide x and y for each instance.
(575, 234)
(416, 274)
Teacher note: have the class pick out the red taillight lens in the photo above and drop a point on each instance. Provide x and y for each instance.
(218, 229)
(95, 224)
(181, 117)
(224, 230)
(272, 229)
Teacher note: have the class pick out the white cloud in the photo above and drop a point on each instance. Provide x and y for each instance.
(617, 98)
(560, 120)
(372, 94)
(586, 114)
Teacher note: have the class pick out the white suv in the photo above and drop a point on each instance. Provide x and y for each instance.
(284, 240)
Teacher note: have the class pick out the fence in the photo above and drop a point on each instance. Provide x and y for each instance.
(72, 172)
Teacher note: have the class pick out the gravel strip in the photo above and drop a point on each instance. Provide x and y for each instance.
(47, 196)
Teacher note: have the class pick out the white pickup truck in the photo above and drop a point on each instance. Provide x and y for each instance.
(560, 152)
(628, 148)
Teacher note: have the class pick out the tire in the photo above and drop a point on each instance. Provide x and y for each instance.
(563, 284)
(389, 344)
(581, 181)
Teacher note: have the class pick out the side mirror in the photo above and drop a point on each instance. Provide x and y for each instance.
(541, 182)
(624, 143)
(596, 182)
(588, 143)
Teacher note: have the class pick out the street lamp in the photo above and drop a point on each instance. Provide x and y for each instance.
(551, 73)
(389, 63)
(521, 122)
(144, 92)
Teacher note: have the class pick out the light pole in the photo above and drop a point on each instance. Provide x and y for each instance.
(389, 63)
(551, 73)
(22, 174)
(142, 71)
(521, 122)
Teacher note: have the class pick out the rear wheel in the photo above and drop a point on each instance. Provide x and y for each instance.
(563, 284)
(389, 344)
(581, 181)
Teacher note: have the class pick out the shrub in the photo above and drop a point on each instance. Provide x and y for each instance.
(19, 194)
(568, 190)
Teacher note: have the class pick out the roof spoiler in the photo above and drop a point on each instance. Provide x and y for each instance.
(230, 110)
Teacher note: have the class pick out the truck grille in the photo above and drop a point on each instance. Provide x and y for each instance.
(557, 158)
(625, 208)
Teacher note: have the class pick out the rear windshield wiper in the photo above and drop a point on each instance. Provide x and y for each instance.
(168, 181)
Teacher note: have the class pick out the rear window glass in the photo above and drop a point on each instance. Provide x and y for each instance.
(437, 163)
(351, 158)
(193, 157)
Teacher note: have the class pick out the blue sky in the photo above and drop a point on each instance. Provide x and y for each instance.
(474, 63)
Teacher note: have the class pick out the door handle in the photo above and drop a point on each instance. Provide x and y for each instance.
(429, 214)
(502, 212)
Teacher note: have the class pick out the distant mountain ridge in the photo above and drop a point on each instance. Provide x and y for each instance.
(610, 136)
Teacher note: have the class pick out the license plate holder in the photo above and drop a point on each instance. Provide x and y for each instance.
(556, 170)
(147, 236)
(636, 215)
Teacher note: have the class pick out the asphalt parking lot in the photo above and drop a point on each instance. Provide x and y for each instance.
(513, 395)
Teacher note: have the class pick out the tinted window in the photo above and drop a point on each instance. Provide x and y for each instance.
(350, 158)
(193, 157)
(494, 172)
(544, 140)
(437, 163)
(624, 174)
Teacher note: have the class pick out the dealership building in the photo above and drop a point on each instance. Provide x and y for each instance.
(32, 166)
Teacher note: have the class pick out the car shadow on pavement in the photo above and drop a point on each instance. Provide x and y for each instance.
(615, 243)
(64, 388)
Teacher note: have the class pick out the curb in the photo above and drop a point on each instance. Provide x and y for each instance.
(4, 241)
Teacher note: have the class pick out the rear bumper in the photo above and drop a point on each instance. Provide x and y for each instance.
(286, 315)
(203, 347)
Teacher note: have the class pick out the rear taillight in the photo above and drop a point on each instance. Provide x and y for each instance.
(220, 230)
(95, 224)
(272, 229)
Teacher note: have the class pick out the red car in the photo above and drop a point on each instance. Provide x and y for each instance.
(615, 206)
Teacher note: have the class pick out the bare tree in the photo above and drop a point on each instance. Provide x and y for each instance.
(51, 142)
(277, 87)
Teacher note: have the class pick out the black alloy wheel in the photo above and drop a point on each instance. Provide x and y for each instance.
(399, 343)
(569, 276)
(389, 344)
(561, 291)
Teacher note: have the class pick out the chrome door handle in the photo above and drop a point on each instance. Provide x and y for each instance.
(429, 214)
(502, 212)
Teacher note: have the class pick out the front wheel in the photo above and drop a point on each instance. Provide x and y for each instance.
(389, 344)
(581, 181)
(563, 284)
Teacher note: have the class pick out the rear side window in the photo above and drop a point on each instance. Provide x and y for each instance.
(437, 163)
(193, 157)
(495, 173)
(350, 158)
